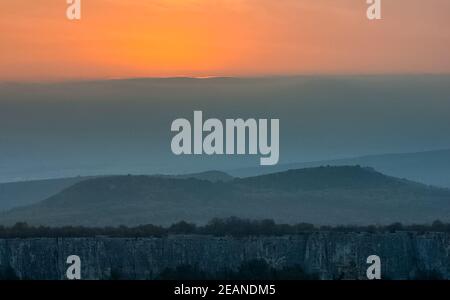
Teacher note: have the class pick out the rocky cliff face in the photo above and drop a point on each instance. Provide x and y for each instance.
(330, 255)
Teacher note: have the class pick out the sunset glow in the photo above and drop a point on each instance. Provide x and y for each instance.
(220, 38)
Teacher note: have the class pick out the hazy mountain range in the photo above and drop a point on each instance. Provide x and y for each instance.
(324, 195)
(100, 128)
(430, 167)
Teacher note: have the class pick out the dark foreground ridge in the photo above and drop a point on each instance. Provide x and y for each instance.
(231, 249)
(310, 255)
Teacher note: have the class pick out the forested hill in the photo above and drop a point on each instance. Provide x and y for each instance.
(325, 195)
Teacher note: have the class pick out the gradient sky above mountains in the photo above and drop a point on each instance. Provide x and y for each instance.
(220, 38)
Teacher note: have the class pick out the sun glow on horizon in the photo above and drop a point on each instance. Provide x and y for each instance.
(165, 38)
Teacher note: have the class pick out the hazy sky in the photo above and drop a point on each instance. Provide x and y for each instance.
(222, 37)
(123, 126)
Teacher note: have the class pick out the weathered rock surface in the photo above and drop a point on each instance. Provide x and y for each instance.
(403, 255)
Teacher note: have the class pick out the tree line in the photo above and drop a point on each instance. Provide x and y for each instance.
(232, 226)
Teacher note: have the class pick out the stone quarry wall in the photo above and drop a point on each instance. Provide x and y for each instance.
(403, 255)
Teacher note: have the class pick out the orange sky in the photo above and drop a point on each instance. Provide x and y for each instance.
(136, 38)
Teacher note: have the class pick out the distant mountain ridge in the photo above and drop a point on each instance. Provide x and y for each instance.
(428, 167)
(213, 176)
(320, 178)
(324, 195)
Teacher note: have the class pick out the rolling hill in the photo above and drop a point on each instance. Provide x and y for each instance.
(428, 167)
(324, 195)
(17, 194)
